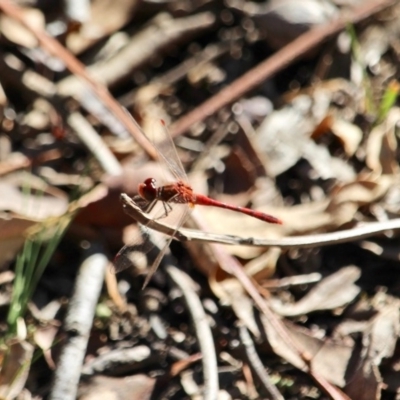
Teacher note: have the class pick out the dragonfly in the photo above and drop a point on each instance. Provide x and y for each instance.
(177, 193)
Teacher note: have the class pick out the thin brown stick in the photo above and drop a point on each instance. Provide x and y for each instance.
(233, 267)
(282, 58)
(230, 265)
(160, 33)
(77, 68)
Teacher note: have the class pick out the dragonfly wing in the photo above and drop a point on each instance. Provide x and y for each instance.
(128, 255)
(165, 148)
(162, 252)
(157, 261)
(168, 155)
(167, 151)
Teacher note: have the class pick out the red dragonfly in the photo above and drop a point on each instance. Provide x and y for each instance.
(179, 192)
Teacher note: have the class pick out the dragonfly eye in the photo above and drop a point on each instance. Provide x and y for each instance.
(150, 182)
(148, 189)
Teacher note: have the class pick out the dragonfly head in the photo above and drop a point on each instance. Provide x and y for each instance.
(148, 189)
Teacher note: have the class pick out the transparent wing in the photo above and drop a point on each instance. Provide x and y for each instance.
(162, 252)
(174, 216)
(156, 262)
(131, 255)
(166, 150)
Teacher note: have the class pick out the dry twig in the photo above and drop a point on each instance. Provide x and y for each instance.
(281, 59)
(76, 67)
(306, 241)
(203, 331)
(257, 365)
(78, 324)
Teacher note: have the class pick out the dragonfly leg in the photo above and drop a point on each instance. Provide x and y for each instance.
(150, 206)
(144, 205)
(167, 210)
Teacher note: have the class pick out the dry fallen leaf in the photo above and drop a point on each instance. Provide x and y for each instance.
(231, 293)
(336, 290)
(105, 18)
(365, 190)
(329, 358)
(44, 337)
(382, 145)
(29, 196)
(349, 134)
(12, 230)
(134, 387)
(15, 369)
(367, 377)
(381, 337)
(263, 266)
(281, 21)
(284, 136)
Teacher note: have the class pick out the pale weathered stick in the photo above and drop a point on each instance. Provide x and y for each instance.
(306, 241)
(89, 136)
(257, 365)
(202, 328)
(78, 323)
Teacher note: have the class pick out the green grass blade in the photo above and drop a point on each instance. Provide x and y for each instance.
(388, 100)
